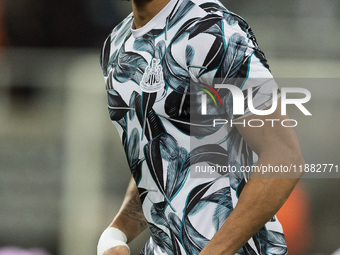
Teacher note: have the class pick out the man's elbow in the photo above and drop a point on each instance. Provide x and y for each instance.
(293, 159)
(288, 159)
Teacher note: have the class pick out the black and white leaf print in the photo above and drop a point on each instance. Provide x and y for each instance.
(177, 105)
(123, 124)
(176, 173)
(213, 25)
(148, 249)
(158, 216)
(175, 244)
(195, 196)
(180, 12)
(124, 139)
(212, 7)
(152, 124)
(273, 242)
(153, 121)
(137, 175)
(260, 55)
(189, 53)
(111, 62)
(175, 225)
(129, 66)
(116, 105)
(148, 100)
(153, 159)
(184, 31)
(161, 238)
(233, 57)
(161, 149)
(185, 114)
(169, 147)
(193, 241)
(214, 56)
(232, 19)
(132, 150)
(184, 232)
(238, 149)
(175, 75)
(145, 43)
(223, 209)
(277, 250)
(124, 31)
(132, 111)
(104, 56)
(165, 147)
(255, 91)
(142, 194)
(247, 249)
(212, 154)
(204, 24)
(189, 29)
(222, 199)
(239, 154)
(160, 50)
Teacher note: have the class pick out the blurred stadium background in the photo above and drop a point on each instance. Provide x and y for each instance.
(62, 170)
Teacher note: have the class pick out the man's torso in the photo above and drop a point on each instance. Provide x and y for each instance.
(155, 77)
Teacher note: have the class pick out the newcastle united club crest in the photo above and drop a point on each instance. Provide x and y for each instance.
(153, 80)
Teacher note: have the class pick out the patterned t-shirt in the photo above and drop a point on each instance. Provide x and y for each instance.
(155, 77)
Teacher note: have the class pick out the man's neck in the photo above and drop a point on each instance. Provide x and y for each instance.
(145, 10)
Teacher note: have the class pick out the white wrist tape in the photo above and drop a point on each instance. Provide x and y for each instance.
(110, 238)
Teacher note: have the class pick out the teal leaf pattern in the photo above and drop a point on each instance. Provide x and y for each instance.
(117, 107)
(157, 127)
(132, 151)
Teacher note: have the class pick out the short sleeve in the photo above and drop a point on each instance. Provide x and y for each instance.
(225, 51)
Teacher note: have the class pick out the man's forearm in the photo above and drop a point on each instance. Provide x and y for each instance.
(130, 218)
(260, 199)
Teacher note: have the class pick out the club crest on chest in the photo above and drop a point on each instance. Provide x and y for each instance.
(153, 80)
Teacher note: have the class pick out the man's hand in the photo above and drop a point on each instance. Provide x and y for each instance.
(119, 250)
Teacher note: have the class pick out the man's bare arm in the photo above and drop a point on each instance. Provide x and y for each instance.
(261, 197)
(130, 218)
